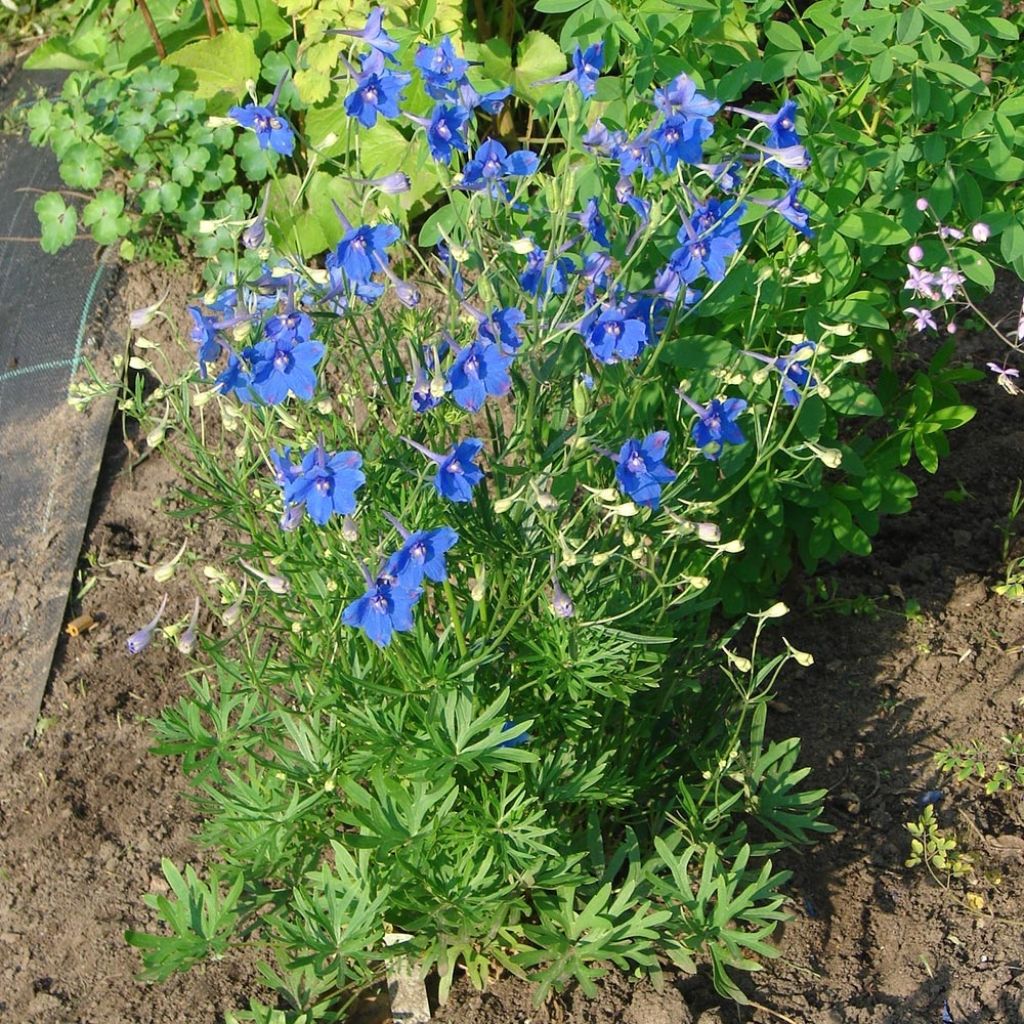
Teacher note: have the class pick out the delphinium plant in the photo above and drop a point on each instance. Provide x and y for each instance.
(485, 495)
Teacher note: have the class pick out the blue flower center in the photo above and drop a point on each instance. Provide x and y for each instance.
(635, 463)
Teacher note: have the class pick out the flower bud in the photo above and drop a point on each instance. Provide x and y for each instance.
(349, 529)
(981, 232)
(922, 204)
(522, 246)
(697, 582)
(915, 254)
(710, 533)
(733, 547)
(776, 611)
(187, 640)
(601, 557)
(800, 657)
(737, 661)
(951, 327)
(627, 537)
(831, 457)
(546, 501)
(561, 603)
(140, 639)
(478, 590)
(232, 614)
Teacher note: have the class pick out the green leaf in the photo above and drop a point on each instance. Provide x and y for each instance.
(851, 398)
(783, 36)
(873, 227)
(952, 28)
(59, 222)
(221, 64)
(557, 6)
(958, 74)
(104, 216)
(978, 269)
(538, 57)
(82, 165)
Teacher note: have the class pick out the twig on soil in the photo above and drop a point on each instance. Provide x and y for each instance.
(773, 1013)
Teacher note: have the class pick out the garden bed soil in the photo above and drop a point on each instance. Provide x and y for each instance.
(86, 812)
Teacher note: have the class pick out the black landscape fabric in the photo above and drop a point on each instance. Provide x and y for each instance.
(49, 454)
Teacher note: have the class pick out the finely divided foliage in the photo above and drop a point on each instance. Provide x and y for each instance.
(479, 699)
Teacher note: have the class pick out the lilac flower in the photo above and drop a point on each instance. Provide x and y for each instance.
(921, 283)
(613, 336)
(422, 556)
(457, 474)
(680, 97)
(140, 639)
(543, 277)
(384, 609)
(492, 163)
(479, 370)
(442, 70)
(592, 222)
(373, 34)
(204, 337)
(949, 282)
(284, 364)
(716, 424)
(272, 131)
(444, 132)
(1006, 377)
(362, 251)
(678, 140)
(641, 470)
(326, 483)
(377, 91)
(924, 319)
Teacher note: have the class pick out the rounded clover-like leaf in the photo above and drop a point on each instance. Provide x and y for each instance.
(59, 222)
(104, 215)
(82, 165)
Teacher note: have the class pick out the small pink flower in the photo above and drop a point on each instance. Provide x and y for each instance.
(922, 204)
(981, 232)
(915, 254)
(921, 283)
(950, 281)
(948, 232)
(1005, 377)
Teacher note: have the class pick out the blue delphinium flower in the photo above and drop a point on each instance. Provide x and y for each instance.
(612, 336)
(543, 277)
(422, 556)
(362, 252)
(140, 639)
(377, 90)
(284, 364)
(442, 69)
(457, 473)
(796, 375)
(680, 96)
(451, 265)
(373, 34)
(489, 102)
(515, 741)
(635, 155)
(640, 468)
(592, 222)
(204, 337)
(272, 130)
(716, 425)
(627, 196)
(479, 370)
(492, 163)
(781, 125)
(385, 608)
(236, 380)
(444, 131)
(709, 238)
(679, 140)
(585, 70)
(326, 483)
(501, 327)
(788, 208)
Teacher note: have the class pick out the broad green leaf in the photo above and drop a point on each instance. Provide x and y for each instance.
(104, 216)
(851, 398)
(873, 227)
(221, 64)
(538, 57)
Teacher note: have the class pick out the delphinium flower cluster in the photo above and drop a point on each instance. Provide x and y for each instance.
(483, 482)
